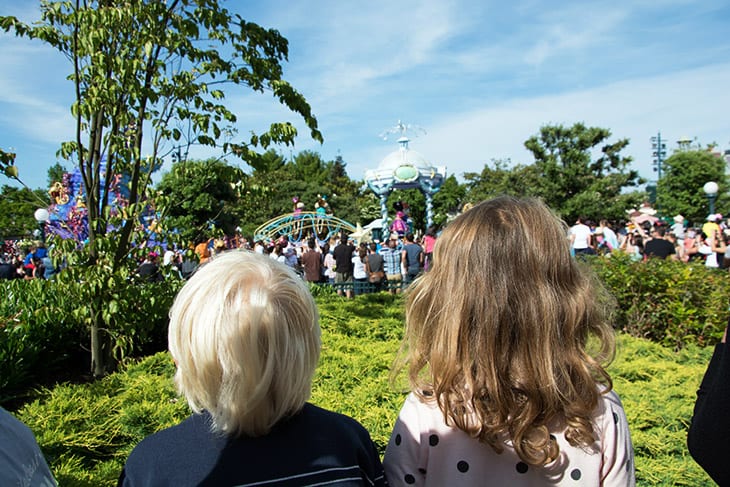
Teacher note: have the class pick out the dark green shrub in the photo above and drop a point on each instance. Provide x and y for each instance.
(38, 335)
(668, 302)
(44, 327)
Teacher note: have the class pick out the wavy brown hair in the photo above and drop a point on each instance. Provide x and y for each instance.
(497, 331)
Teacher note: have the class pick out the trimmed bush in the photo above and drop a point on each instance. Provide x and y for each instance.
(44, 328)
(668, 302)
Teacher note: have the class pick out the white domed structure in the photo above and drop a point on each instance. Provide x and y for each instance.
(405, 169)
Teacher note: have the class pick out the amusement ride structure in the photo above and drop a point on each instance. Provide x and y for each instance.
(297, 226)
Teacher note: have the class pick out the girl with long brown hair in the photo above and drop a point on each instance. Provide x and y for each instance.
(506, 342)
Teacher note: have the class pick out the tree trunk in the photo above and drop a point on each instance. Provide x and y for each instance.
(99, 345)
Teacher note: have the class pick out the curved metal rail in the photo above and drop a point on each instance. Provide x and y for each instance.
(297, 226)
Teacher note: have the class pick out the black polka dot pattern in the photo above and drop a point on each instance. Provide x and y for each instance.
(409, 479)
(398, 439)
(422, 471)
(462, 466)
(522, 467)
(433, 440)
(575, 474)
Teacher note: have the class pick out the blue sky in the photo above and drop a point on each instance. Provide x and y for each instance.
(478, 77)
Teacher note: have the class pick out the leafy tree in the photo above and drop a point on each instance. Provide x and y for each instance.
(201, 194)
(55, 173)
(17, 206)
(448, 200)
(346, 195)
(499, 178)
(571, 180)
(679, 191)
(269, 161)
(150, 69)
(269, 189)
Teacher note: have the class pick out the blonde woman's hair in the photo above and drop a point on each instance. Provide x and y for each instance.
(497, 331)
(244, 332)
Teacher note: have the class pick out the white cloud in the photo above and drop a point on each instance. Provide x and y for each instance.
(685, 103)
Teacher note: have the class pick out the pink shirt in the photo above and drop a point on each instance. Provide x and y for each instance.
(424, 451)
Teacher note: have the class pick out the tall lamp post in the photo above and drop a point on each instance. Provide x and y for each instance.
(41, 216)
(710, 188)
(658, 152)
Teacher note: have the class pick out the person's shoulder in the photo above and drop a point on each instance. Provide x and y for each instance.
(610, 411)
(168, 439)
(332, 420)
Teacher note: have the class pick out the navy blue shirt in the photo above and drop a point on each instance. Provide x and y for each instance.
(313, 447)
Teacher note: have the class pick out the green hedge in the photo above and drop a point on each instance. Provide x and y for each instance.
(668, 302)
(44, 328)
(88, 430)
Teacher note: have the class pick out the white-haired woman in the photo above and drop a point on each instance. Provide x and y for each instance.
(244, 333)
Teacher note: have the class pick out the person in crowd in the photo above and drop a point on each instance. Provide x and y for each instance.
(39, 270)
(678, 248)
(11, 270)
(411, 258)
(391, 261)
(712, 224)
(375, 268)
(149, 270)
(610, 239)
(312, 262)
(678, 229)
(399, 224)
(41, 251)
(258, 246)
(429, 240)
(244, 334)
(329, 265)
(359, 271)
(21, 461)
(28, 262)
(291, 259)
(343, 266)
(712, 247)
(632, 245)
(691, 246)
(172, 262)
(658, 246)
(277, 254)
(202, 250)
(708, 439)
(504, 388)
(580, 237)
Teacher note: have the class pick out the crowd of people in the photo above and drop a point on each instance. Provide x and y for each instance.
(709, 243)
(35, 263)
(358, 267)
(352, 267)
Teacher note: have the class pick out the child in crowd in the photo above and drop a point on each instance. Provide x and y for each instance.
(244, 333)
(505, 388)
